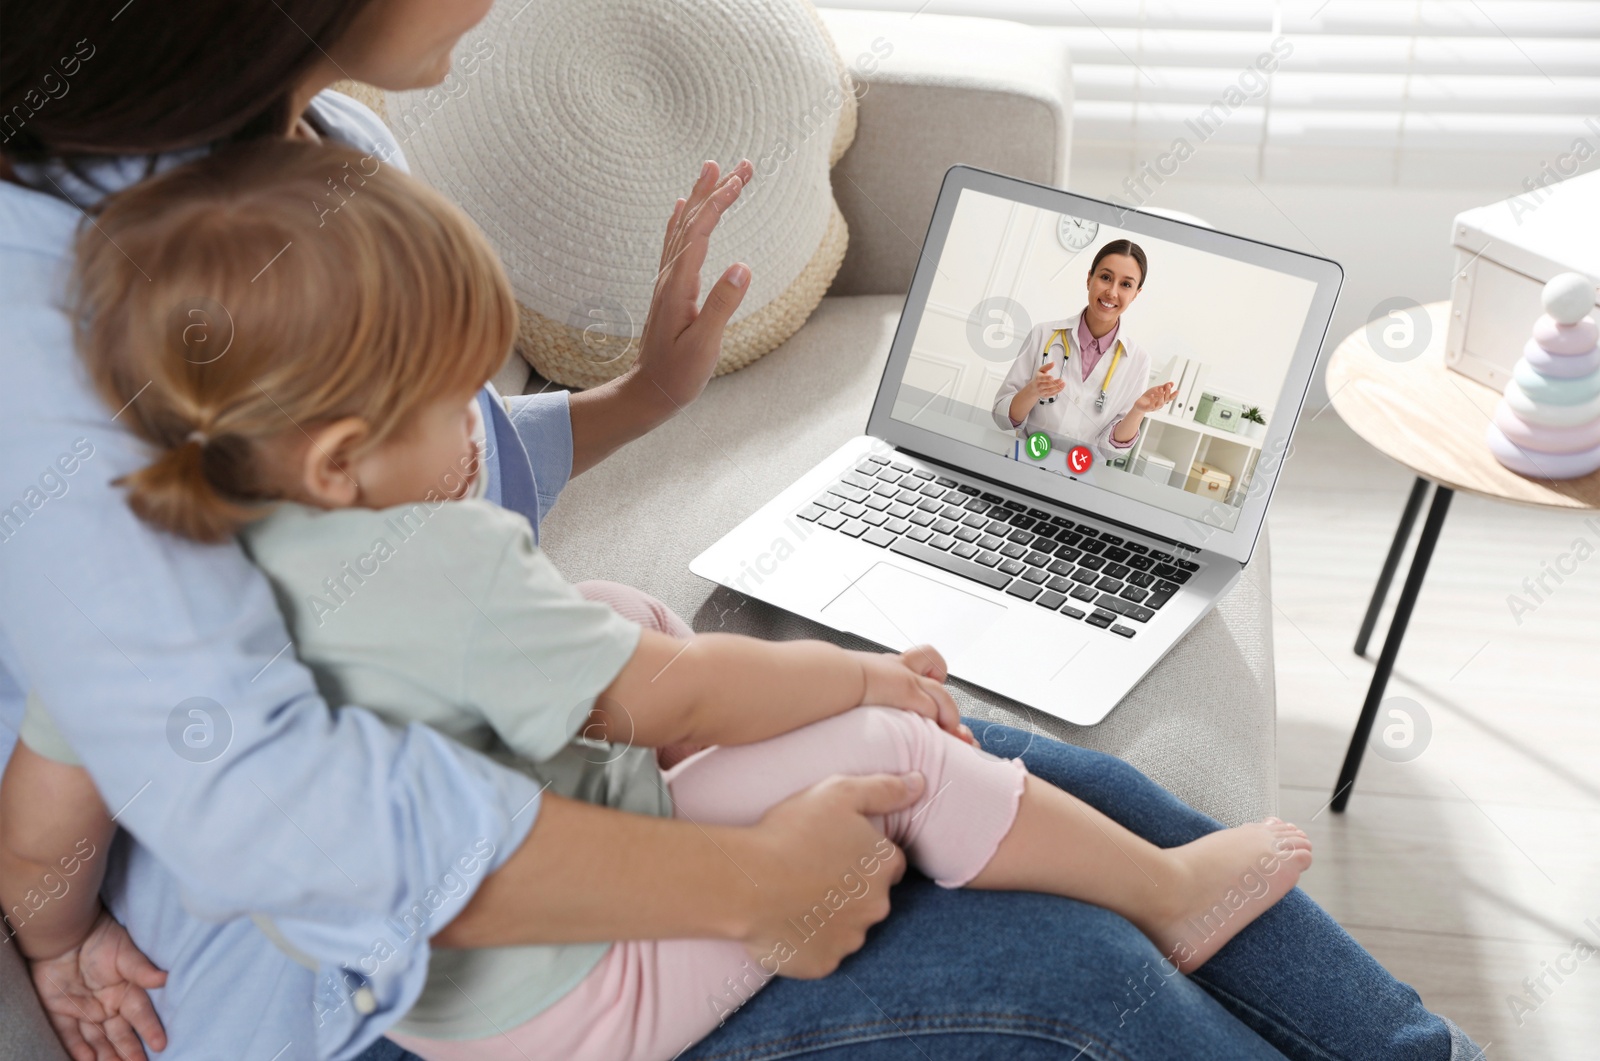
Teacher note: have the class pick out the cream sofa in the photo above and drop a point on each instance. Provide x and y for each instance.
(996, 95)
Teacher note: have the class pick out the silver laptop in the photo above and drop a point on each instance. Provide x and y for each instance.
(1053, 546)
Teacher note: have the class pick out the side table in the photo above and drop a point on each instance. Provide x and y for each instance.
(1408, 406)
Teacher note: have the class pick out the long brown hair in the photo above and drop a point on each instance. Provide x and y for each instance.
(109, 77)
(222, 310)
(1122, 246)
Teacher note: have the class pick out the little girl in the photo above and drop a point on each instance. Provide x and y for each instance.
(336, 435)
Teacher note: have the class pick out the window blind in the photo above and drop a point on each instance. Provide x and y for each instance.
(1380, 91)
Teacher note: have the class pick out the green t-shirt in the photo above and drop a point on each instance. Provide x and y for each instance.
(38, 731)
(447, 614)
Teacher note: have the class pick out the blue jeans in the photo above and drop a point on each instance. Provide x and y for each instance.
(960, 975)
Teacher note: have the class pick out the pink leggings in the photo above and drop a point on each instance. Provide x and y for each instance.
(648, 1000)
(636, 606)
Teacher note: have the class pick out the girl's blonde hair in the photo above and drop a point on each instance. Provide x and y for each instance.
(265, 291)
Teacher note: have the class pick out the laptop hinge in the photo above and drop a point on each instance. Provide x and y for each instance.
(1178, 548)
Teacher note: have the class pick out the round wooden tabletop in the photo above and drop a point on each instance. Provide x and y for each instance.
(1432, 420)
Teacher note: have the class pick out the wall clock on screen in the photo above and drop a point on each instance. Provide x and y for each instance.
(1075, 233)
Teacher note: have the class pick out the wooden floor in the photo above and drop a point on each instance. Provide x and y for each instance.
(1473, 867)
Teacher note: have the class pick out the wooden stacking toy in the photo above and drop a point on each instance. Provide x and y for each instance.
(1548, 424)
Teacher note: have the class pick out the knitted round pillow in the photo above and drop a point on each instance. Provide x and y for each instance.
(569, 127)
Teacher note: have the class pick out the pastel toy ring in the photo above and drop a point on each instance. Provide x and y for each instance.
(1568, 297)
(1549, 391)
(1536, 465)
(1545, 439)
(1549, 415)
(1561, 366)
(1565, 338)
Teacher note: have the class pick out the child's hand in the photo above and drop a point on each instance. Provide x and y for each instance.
(94, 995)
(913, 681)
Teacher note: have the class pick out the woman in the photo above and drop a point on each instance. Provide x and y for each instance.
(310, 818)
(1082, 378)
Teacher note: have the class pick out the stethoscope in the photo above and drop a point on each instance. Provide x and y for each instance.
(1066, 354)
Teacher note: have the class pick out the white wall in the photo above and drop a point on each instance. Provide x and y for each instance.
(1392, 242)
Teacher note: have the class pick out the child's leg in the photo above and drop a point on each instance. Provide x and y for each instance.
(950, 833)
(1189, 900)
(650, 1000)
(645, 1001)
(637, 606)
(983, 822)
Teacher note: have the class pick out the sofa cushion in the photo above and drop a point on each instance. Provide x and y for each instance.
(1202, 723)
(936, 90)
(25, 1033)
(575, 125)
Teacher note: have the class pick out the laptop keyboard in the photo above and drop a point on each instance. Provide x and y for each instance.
(1077, 569)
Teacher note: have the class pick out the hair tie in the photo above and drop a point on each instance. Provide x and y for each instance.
(197, 436)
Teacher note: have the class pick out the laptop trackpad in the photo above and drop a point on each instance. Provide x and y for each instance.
(901, 608)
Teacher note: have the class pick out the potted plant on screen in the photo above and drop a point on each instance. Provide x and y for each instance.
(1254, 424)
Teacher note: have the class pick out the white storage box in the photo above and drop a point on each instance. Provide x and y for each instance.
(1158, 469)
(1505, 253)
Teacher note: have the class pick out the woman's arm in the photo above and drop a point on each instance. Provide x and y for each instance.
(1127, 429)
(1018, 377)
(681, 341)
(590, 873)
(1043, 384)
(167, 668)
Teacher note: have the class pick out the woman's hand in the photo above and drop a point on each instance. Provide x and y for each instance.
(801, 849)
(913, 681)
(1043, 384)
(1127, 428)
(681, 340)
(94, 995)
(1155, 398)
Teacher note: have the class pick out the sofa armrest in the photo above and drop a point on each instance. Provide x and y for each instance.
(937, 90)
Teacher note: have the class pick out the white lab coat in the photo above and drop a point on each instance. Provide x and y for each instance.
(1073, 414)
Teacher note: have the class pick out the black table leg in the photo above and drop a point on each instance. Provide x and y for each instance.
(1391, 645)
(1391, 563)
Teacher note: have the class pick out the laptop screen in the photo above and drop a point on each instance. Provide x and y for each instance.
(1077, 349)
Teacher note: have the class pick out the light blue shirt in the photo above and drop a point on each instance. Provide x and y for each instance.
(167, 667)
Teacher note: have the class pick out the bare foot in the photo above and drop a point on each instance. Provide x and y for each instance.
(1228, 879)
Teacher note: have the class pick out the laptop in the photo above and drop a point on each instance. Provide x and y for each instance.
(1055, 557)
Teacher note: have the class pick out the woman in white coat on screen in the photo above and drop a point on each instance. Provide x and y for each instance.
(1082, 378)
